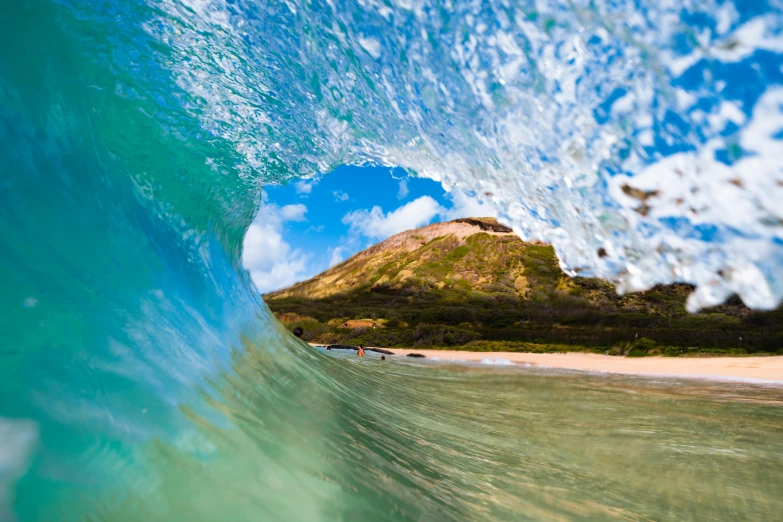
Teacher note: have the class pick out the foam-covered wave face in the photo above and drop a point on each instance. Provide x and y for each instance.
(642, 139)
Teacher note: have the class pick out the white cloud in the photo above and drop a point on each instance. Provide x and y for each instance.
(303, 187)
(339, 195)
(337, 256)
(293, 212)
(374, 224)
(467, 206)
(403, 192)
(271, 261)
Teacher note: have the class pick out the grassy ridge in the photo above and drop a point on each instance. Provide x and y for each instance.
(496, 292)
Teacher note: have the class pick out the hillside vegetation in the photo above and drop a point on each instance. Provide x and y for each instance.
(472, 284)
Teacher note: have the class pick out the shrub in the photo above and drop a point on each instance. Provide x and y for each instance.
(641, 347)
(451, 315)
(437, 335)
(312, 328)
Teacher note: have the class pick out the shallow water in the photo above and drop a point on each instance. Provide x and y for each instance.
(365, 439)
(142, 377)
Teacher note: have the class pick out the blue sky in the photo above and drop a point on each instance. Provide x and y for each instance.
(307, 226)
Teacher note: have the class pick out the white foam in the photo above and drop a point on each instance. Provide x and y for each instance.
(550, 122)
(497, 362)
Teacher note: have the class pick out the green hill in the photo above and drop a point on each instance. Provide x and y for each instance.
(472, 284)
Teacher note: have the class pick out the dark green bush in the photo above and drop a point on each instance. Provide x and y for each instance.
(438, 335)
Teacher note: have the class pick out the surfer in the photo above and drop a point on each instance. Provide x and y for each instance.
(298, 332)
(360, 352)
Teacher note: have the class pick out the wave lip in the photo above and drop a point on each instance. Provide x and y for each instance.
(640, 139)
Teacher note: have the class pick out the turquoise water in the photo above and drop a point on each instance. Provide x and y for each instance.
(142, 377)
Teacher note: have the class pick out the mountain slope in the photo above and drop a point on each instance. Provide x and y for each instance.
(470, 281)
(443, 254)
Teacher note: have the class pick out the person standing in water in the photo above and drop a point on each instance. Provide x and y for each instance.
(360, 352)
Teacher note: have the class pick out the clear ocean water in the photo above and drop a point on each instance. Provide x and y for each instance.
(141, 375)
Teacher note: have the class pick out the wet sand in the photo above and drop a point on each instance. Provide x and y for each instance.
(715, 368)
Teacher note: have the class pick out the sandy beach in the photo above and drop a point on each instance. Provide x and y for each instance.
(716, 368)
(765, 368)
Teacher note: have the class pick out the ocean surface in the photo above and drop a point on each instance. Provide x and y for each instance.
(143, 378)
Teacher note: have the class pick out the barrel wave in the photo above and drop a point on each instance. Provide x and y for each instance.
(142, 376)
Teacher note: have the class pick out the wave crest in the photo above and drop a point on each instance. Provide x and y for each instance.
(639, 139)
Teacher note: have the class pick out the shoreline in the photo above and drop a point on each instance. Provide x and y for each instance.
(767, 369)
